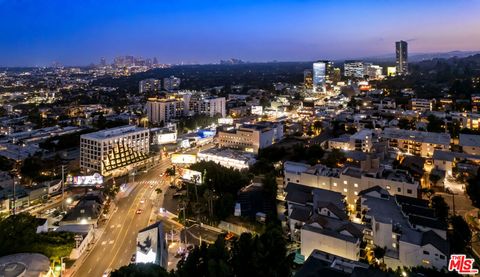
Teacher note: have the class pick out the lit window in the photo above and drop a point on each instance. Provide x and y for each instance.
(334, 184)
(345, 182)
(355, 185)
(356, 193)
(345, 190)
(388, 188)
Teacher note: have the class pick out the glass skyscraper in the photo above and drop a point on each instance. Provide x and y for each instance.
(401, 48)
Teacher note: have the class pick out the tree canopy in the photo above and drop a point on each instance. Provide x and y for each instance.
(440, 207)
(249, 255)
(140, 270)
(18, 234)
(473, 190)
(460, 236)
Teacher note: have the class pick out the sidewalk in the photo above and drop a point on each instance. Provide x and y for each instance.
(98, 232)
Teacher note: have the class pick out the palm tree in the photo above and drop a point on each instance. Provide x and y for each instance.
(195, 179)
(317, 127)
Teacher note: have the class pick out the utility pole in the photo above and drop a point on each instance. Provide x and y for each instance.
(14, 200)
(63, 188)
(453, 200)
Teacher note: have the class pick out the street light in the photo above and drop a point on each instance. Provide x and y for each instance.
(69, 200)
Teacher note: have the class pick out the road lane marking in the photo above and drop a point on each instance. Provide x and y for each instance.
(145, 191)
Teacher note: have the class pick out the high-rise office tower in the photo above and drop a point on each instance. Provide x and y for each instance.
(402, 57)
(321, 74)
(103, 62)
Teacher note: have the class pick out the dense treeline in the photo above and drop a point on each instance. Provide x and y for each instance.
(249, 255)
(18, 235)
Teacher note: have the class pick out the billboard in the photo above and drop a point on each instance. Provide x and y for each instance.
(190, 176)
(183, 158)
(151, 245)
(87, 180)
(257, 110)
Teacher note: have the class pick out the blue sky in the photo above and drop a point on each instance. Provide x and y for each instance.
(38, 32)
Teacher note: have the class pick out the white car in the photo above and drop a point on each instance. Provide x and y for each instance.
(107, 273)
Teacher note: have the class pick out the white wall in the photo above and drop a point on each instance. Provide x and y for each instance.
(312, 240)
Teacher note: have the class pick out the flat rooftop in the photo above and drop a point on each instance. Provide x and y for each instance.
(362, 134)
(228, 153)
(387, 211)
(469, 140)
(418, 136)
(451, 156)
(113, 132)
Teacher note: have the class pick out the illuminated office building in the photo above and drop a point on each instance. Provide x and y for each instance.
(354, 69)
(321, 74)
(402, 57)
(113, 151)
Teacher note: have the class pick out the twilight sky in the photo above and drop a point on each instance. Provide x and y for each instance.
(38, 32)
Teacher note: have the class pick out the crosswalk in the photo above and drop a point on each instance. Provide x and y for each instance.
(149, 182)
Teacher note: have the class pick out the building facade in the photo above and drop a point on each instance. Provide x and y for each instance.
(228, 158)
(401, 50)
(112, 150)
(421, 105)
(321, 74)
(350, 181)
(171, 83)
(354, 69)
(251, 137)
(164, 110)
(416, 142)
(150, 86)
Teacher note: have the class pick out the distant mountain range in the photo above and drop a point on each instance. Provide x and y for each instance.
(418, 57)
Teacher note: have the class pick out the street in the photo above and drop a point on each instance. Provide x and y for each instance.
(118, 241)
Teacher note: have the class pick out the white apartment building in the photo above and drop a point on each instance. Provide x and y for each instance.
(171, 83)
(421, 105)
(416, 142)
(467, 120)
(200, 103)
(150, 85)
(405, 227)
(317, 219)
(228, 158)
(470, 144)
(164, 110)
(342, 240)
(349, 181)
(360, 141)
(184, 104)
(374, 72)
(251, 137)
(112, 151)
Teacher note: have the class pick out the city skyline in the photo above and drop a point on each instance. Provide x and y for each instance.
(255, 32)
